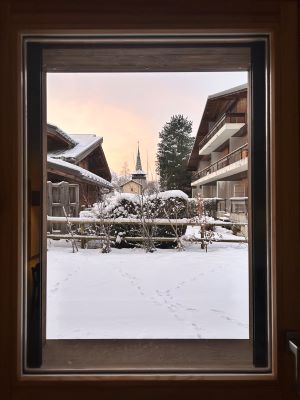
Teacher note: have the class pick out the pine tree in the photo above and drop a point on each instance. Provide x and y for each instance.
(174, 149)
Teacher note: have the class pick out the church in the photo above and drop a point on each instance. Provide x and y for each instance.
(138, 180)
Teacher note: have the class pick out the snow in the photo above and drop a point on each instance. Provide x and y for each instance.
(89, 217)
(212, 198)
(238, 198)
(168, 194)
(113, 202)
(193, 232)
(83, 172)
(63, 134)
(130, 294)
(83, 142)
(86, 214)
(138, 172)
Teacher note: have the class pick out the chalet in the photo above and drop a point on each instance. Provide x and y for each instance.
(219, 157)
(78, 159)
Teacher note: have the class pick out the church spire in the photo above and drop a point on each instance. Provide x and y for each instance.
(138, 165)
(139, 175)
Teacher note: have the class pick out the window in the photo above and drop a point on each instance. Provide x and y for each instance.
(142, 355)
(277, 18)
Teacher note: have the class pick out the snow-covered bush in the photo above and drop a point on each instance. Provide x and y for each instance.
(123, 205)
(171, 204)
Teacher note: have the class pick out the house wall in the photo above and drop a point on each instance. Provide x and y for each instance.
(96, 163)
(132, 187)
(84, 163)
(236, 188)
(209, 191)
(241, 105)
(236, 142)
(215, 156)
(203, 164)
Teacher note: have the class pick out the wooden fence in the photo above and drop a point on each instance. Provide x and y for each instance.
(81, 222)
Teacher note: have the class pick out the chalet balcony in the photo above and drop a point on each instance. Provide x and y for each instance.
(231, 164)
(228, 125)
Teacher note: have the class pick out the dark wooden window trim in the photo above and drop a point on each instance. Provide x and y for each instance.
(261, 327)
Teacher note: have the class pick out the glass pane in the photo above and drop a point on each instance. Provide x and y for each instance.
(155, 246)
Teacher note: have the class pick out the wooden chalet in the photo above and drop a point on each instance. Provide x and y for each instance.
(78, 159)
(219, 157)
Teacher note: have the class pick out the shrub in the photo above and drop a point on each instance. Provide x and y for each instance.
(171, 204)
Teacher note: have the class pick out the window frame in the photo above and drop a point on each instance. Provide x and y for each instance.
(183, 375)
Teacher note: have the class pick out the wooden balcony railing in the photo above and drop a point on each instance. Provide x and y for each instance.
(234, 156)
(225, 119)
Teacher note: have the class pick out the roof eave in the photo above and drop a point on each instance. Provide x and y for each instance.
(80, 156)
(75, 175)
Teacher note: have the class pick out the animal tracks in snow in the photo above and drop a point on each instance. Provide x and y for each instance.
(224, 315)
(192, 279)
(58, 285)
(167, 299)
(129, 294)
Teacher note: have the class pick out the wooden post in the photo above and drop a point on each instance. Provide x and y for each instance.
(69, 228)
(83, 241)
(202, 230)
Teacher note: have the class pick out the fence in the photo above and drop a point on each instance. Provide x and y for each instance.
(128, 221)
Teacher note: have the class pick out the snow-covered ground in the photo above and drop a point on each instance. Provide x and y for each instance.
(132, 294)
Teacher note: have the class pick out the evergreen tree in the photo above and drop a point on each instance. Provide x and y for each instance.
(174, 149)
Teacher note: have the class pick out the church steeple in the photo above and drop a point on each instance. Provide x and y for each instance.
(138, 165)
(139, 175)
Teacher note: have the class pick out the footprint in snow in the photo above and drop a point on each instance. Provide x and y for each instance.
(140, 290)
(235, 321)
(228, 318)
(214, 310)
(197, 329)
(178, 317)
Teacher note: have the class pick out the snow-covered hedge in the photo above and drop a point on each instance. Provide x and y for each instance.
(172, 204)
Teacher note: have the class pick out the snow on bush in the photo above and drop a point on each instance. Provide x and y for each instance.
(169, 194)
(171, 204)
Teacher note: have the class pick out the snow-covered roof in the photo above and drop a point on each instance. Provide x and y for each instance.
(84, 144)
(138, 172)
(63, 134)
(78, 171)
(131, 180)
(229, 91)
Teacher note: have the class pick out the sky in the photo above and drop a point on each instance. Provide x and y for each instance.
(125, 108)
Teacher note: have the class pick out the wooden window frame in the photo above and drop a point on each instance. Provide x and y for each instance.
(258, 46)
(277, 17)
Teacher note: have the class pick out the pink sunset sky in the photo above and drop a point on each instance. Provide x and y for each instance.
(125, 108)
